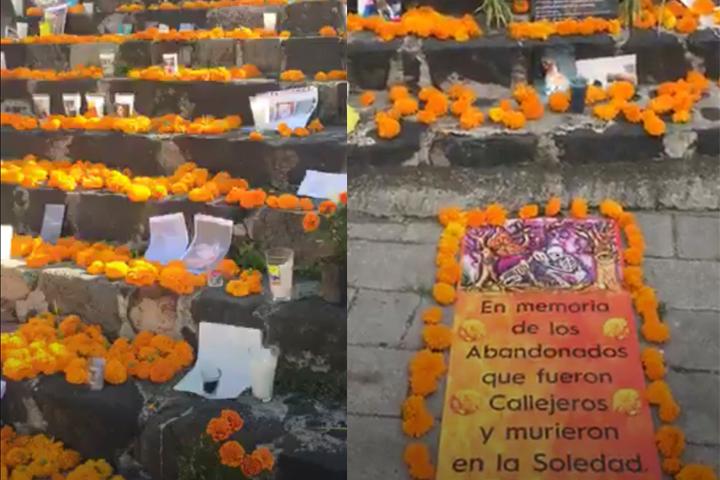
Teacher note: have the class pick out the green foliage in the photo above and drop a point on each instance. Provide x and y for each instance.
(333, 229)
(497, 12)
(629, 11)
(248, 255)
(201, 462)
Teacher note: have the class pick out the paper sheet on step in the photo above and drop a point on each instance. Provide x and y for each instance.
(228, 348)
(323, 184)
(213, 236)
(169, 238)
(52, 223)
(293, 107)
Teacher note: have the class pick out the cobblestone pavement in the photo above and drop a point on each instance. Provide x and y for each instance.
(390, 272)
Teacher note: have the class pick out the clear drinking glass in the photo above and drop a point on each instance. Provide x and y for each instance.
(280, 272)
(262, 372)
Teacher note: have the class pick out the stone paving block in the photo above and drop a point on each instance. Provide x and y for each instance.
(390, 266)
(413, 338)
(381, 318)
(377, 380)
(685, 284)
(423, 232)
(707, 455)
(382, 232)
(698, 236)
(658, 231)
(697, 394)
(376, 446)
(695, 342)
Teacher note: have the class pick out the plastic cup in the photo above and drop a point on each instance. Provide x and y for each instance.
(262, 372)
(280, 272)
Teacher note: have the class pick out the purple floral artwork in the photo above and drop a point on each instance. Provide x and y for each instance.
(542, 254)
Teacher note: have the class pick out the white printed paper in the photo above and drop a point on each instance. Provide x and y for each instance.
(71, 104)
(228, 348)
(169, 238)
(18, 7)
(294, 107)
(52, 223)
(608, 69)
(323, 184)
(124, 105)
(6, 234)
(210, 244)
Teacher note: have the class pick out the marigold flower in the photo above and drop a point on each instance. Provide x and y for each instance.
(367, 98)
(671, 465)
(406, 106)
(449, 214)
(553, 206)
(251, 466)
(231, 454)
(696, 472)
(476, 218)
(578, 208)
(444, 293)
(417, 420)
(417, 459)
(437, 337)
(397, 92)
(496, 214)
(115, 372)
(432, 315)
(311, 222)
(327, 207)
(559, 101)
(265, 457)
(652, 360)
(528, 211)
(327, 31)
(670, 441)
(256, 136)
(387, 126)
(594, 94)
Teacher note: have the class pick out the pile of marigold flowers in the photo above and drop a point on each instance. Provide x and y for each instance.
(327, 208)
(48, 345)
(184, 74)
(196, 5)
(25, 457)
(422, 22)
(232, 454)
(24, 73)
(543, 29)
(175, 124)
(675, 16)
(152, 34)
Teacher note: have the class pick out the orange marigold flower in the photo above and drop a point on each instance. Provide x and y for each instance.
(529, 211)
(594, 94)
(265, 457)
(444, 293)
(476, 218)
(426, 116)
(387, 126)
(432, 315)
(437, 337)
(311, 222)
(687, 24)
(288, 201)
(578, 208)
(671, 465)
(611, 208)
(652, 360)
(655, 332)
(559, 101)
(632, 112)
(417, 459)
(231, 454)
(553, 206)
(621, 90)
(406, 106)
(219, 429)
(449, 214)
(327, 31)
(256, 136)
(696, 472)
(115, 372)
(327, 207)
(670, 441)
(251, 466)
(472, 117)
(417, 420)
(496, 214)
(397, 92)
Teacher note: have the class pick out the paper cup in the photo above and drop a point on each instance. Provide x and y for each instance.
(280, 272)
(22, 29)
(6, 234)
(41, 102)
(270, 20)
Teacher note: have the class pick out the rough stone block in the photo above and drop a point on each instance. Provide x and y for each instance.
(487, 151)
(660, 56)
(89, 53)
(173, 18)
(29, 207)
(215, 53)
(483, 60)
(694, 344)
(381, 318)
(708, 141)
(158, 310)
(231, 17)
(48, 56)
(658, 231)
(456, 7)
(264, 53)
(698, 236)
(95, 299)
(685, 284)
(302, 54)
(133, 54)
(15, 55)
(388, 153)
(705, 45)
(369, 62)
(372, 442)
(184, 50)
(310, 17)
(376, 380)
(17, 283)
(617, 143)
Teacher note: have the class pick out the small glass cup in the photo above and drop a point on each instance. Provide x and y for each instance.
(211, 379)
(97, 373)
(263, 365)
(215, 279)
(280, 272)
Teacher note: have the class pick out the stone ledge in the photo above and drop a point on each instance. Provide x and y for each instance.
(494, 58)
(276, 161)
(190, 99)
(270, 55)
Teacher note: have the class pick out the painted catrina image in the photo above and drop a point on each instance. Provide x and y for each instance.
(542, 253)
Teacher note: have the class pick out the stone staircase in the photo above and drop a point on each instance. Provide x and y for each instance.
(142, 428)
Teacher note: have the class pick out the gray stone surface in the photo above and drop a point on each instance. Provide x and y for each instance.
(685, 284)
(695, 342)
(377, 380)
(658, 231)
(697, 394)
(372, 441)
(390, 266)
(698, 236)
(413, 232)
(379, 319)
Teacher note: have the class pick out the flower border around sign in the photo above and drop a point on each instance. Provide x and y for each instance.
(428, 366)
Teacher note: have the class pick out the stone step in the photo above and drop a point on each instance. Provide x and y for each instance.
(496, 59)
(299, 18)
(275, 161)
(191, 99)
(270, 55)
(148, 431)
(310, 332)
(86, 218)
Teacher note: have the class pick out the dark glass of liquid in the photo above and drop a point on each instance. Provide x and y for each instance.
(211, 386)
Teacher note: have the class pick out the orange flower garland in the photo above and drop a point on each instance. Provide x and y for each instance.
(25, 73)
(184, 74)
(47, 345)
(422, 22)
(231, 453)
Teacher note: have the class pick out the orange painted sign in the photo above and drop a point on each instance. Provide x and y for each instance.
(546, 385)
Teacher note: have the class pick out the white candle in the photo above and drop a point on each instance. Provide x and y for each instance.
(6, 234)
(22, 29)
(270, 20)
(262, 372)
